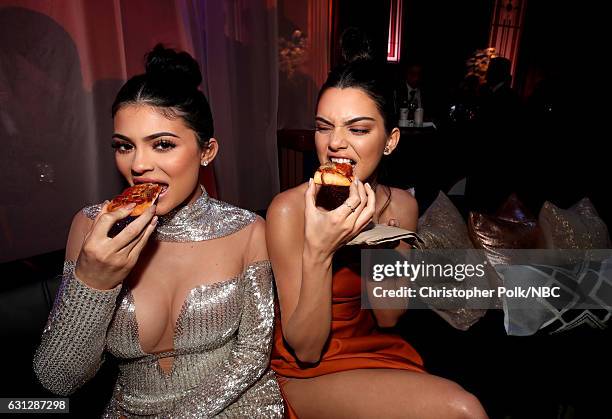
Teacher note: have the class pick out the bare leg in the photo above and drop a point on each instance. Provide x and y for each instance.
(381, 393)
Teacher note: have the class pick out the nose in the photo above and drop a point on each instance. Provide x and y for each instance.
(337, 139)
(142, 162)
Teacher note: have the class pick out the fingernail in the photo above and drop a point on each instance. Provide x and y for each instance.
(130, 206)
(154, 221)
(309, 181)
(368, 185)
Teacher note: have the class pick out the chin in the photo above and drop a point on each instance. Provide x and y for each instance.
(163, 207)
(162, 210)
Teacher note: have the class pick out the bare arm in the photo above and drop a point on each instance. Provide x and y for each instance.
(404, 213)
(301, 242)
(304, 295)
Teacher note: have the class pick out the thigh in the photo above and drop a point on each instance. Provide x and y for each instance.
(375, 393)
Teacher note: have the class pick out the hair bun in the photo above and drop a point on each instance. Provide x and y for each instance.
(171, 67)
(356, 45)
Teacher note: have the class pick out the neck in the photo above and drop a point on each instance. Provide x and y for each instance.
(194, 195)
(380, 194)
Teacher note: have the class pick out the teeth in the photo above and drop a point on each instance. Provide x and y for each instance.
(339, 160)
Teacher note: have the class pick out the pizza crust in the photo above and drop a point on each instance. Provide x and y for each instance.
(335, 179)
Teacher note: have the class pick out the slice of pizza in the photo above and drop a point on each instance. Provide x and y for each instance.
(335, 174)
(142, 194)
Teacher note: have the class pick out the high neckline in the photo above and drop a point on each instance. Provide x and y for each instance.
(204, 219)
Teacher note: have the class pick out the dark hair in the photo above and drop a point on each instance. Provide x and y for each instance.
(170, 84)
(369, 77)
(355, 45)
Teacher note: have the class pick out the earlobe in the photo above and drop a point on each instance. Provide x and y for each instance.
(209, 153)
(392, 141)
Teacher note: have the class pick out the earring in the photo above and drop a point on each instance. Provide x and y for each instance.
(387, 151)
(205, 163)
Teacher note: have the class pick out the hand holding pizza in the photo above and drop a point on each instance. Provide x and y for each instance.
(104, 262)
(326, 231)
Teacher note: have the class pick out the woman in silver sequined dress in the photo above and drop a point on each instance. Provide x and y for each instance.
(183, 295)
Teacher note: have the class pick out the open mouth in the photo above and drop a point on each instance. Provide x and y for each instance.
(163, 189)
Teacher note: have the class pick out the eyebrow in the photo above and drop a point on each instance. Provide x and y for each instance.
(350, 121)
(148, 137)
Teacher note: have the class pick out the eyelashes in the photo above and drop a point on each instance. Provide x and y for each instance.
(354, 131)
(123, 147)
(164, 145)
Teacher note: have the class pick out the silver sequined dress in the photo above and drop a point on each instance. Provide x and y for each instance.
(223, 335)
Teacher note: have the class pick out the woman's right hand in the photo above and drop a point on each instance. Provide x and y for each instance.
(105, 262)
(327, 231)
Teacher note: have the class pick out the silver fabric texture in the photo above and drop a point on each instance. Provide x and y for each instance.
(218, 219)
(222, 337)
(70, 352)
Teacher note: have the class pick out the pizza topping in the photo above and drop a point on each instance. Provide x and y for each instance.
(345, 169)
(144, 193)
(334, 173)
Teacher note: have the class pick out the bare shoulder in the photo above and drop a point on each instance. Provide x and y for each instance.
(288, 204)
(404, 208)
(256, 242)
(82, 220)
(81, 224)
(257, 231)
(285, 222)
(403, 198)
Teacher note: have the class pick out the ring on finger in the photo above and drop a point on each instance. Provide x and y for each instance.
(349, 205)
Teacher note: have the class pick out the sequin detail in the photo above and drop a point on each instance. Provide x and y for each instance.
(222, 339)
(71, 349)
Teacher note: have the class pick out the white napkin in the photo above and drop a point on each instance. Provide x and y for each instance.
(382, 233)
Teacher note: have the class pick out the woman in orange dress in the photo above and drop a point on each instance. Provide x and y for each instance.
(332, 358)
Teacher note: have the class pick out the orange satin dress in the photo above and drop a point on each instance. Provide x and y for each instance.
(354, 343)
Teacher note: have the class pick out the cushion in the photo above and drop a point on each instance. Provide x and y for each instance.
(585, 295)
(512, 227)
(578, 227)
(442, 227)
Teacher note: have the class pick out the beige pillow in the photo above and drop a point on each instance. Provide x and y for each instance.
(442, 227)
(578, 227)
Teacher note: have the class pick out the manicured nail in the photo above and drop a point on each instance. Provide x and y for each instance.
(154, 221)
(309, 181)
